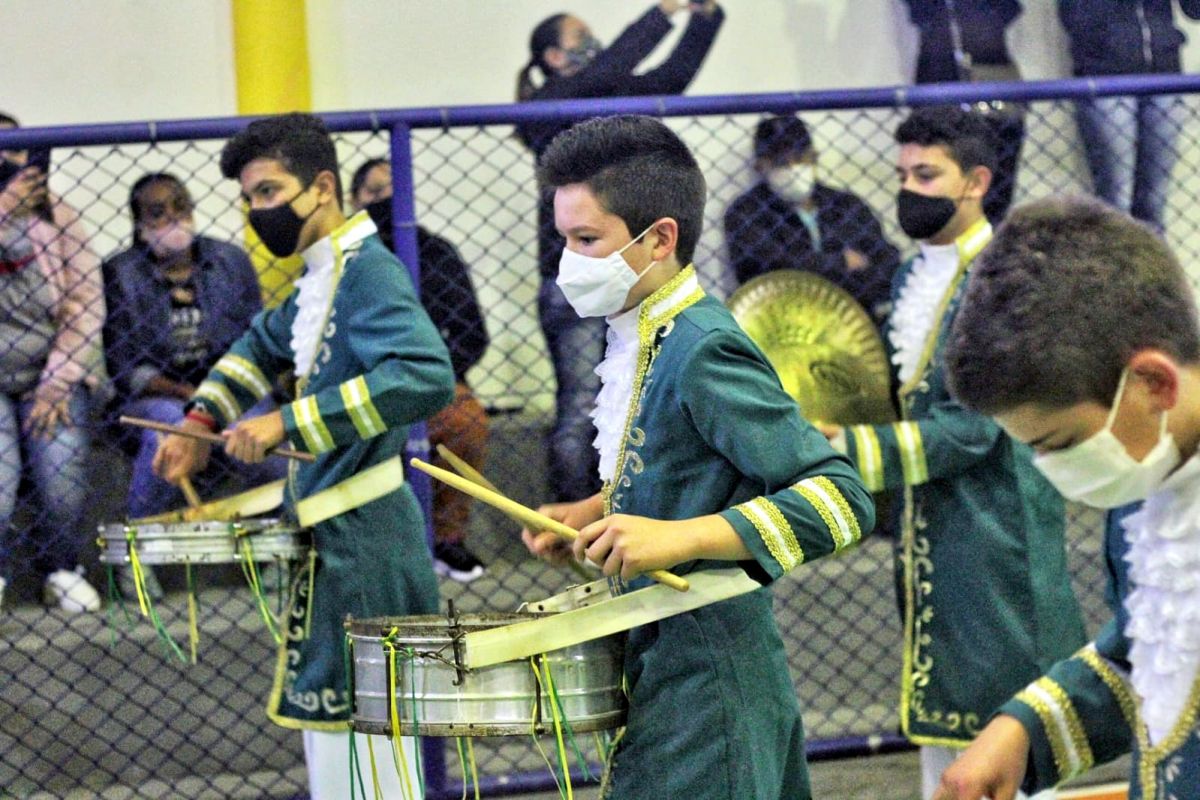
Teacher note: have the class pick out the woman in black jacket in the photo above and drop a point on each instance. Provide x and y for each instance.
(573, 64)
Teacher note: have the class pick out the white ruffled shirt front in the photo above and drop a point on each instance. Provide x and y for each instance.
(617, 372)
(316, 286)
(1164, 604)
(913, 316)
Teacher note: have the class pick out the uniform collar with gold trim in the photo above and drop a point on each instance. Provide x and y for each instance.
(343, 239)
(971, 241)
(667, 302)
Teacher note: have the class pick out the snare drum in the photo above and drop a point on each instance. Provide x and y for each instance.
(436, 696)
(201, 542)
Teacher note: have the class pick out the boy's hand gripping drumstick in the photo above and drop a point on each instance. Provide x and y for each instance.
(527, 516)
(209, 437)
(475, 476)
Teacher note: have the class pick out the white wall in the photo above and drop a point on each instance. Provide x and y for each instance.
(73, 61)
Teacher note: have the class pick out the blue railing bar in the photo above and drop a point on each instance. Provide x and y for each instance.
(668, 106)
(856, 746)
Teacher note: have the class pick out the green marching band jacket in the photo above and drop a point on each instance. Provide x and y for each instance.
(1084, 711)
(981, 569)
(380, 365)
(713, 712)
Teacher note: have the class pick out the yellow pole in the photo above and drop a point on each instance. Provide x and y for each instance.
(270, 48)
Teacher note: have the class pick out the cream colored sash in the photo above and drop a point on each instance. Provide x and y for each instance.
(370, 484)
(607, 616)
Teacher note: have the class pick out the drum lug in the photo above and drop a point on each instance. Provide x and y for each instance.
(456, 637)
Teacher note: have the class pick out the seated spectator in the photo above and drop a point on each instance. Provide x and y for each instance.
(176, 301)
(448, 296)
(51, 313)
(791, 220)
(1129, 141)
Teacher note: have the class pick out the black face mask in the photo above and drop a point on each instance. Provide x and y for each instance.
(279, 227)
(584, 53)
(380, 213)
(920, 216)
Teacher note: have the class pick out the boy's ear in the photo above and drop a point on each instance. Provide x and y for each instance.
(981, 180)
(667, 231)
(326, 183)
(1161, 375)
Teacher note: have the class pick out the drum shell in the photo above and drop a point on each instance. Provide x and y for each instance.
(201, 542)
(500, 700)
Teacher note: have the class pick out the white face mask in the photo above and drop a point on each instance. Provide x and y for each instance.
(794, 183)
(170, 239)
(1099, 472)
(597, 287)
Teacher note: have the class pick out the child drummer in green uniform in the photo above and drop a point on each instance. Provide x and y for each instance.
(369, 362)
(704, 459)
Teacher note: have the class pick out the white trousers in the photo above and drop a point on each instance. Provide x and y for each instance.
(935, 760)
(327, 756)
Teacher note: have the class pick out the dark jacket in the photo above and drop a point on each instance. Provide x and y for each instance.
(137, 332)
(611, 75)
(1124, 37)
(764, 233)
(449, 298)
(981, 24)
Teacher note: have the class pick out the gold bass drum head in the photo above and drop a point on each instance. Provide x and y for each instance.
(824, 346)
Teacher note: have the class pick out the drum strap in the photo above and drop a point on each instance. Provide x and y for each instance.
(603, 618)
(370, 484)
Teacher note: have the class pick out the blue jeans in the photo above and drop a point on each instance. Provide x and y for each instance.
(576, 348)
(57, 469)
(1130, 146)
(150, 494)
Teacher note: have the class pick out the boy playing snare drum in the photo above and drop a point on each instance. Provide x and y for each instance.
(704, 458)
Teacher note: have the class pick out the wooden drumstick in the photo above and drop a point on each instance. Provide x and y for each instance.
(475, 476)
(463, 468)
(527, 516)
(189, 492)
(205, 436)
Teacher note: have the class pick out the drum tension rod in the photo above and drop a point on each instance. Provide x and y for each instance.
(456, 635)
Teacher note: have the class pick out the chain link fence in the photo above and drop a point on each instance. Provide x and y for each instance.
(98, 704)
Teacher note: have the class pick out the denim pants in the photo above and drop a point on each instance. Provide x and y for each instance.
(1130, 146)
(57, 471)
(150, 494)
(576, 348)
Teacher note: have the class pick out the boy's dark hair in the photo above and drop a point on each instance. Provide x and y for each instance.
(9, 119)
(1057, 303)
(780, 137)
(546, 35)
(300, 142)
(637, 168)
(360, 174)
(972, 142)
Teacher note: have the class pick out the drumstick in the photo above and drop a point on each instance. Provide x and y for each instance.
(475, 476)
(208, 437)
(527, 516)
(465, 469)
(189, 492)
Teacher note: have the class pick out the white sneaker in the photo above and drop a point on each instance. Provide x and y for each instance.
(70, 591)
